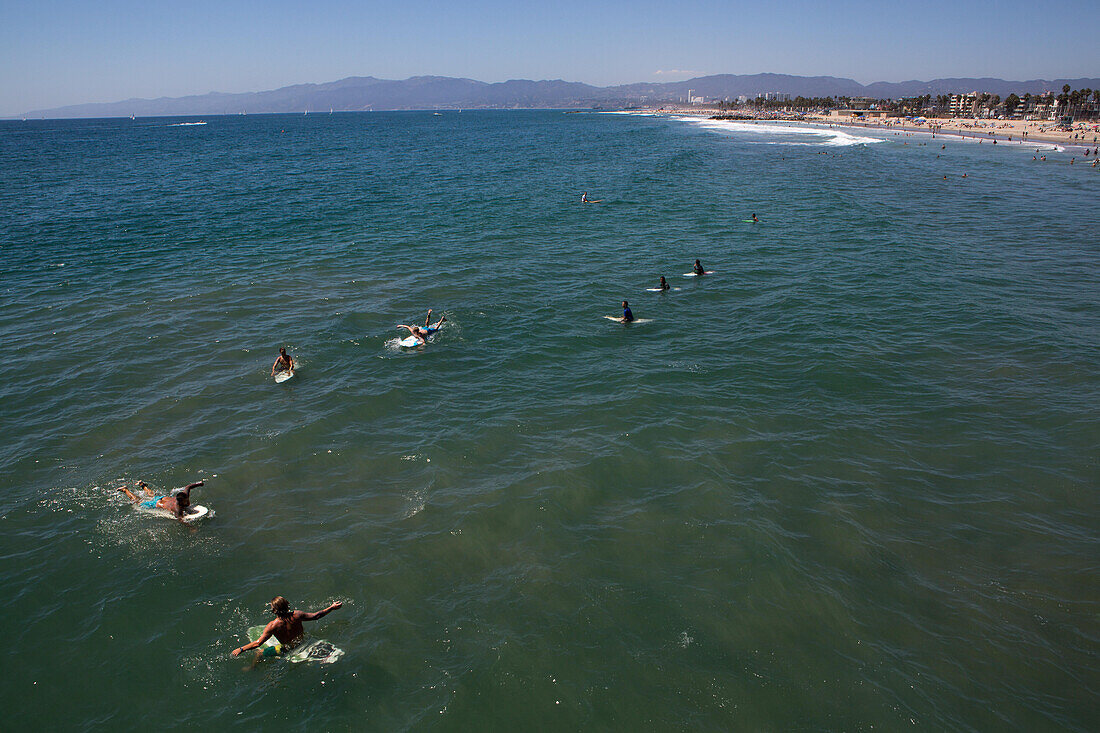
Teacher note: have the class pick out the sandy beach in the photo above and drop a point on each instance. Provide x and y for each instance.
(1083, 134)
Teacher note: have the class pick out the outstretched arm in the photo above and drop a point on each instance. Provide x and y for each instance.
(188, 487)
(319, 614)
(275, 365)
(259, 642)
(407, 328)
(427, 318)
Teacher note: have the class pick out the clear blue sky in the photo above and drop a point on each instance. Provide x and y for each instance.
(58, 52)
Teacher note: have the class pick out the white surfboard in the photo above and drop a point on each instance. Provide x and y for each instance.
(695, 274)
(316, 650)
(660, 290)
(194, 513)
(619, 319)
(409, 342)
(284, 375)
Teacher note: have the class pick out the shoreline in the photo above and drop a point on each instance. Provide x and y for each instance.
(1003, 131)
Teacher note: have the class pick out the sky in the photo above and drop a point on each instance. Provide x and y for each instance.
(61, 52)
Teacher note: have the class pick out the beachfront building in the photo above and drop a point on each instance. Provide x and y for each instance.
(962, 104)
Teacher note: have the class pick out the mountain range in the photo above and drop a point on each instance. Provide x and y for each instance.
(360, 93)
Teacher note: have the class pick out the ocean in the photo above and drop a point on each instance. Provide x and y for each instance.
(846, 482)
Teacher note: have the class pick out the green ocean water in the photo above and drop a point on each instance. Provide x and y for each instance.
(848, 481)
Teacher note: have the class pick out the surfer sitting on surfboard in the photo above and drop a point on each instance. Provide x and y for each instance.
(287, 627)
(627, 315)
(755, 220)
(664, 285)
(176, 502)
(698, 269)
(283, 363)
(429, 330)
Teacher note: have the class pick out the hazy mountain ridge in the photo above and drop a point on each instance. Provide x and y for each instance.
(357, 93)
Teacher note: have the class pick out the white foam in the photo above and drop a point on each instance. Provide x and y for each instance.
(831, 137)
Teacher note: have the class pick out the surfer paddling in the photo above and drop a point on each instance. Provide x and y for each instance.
(420, 335)
(283, 363)
(287, 627)
(176, 502)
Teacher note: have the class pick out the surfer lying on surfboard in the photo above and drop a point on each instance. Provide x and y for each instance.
(421, 336)
(175, 502)
(283, 363)
(287, 627)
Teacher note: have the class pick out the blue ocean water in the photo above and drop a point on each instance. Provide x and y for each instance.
(848, 481)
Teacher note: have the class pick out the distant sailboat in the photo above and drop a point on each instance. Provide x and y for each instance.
(131, 117)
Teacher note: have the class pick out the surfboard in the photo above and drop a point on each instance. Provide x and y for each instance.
(194, 513)
(316, 650)
(693, 274)
(409, 342)
(284, 375)
(660, 290)
(619, 319)
(750, 221)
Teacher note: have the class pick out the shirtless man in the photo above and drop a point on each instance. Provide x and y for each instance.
(420, 336)
(287, 627)
(177, 501)
(283, 363)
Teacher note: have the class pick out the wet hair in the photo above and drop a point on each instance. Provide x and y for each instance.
(282, 351)
(280, 607)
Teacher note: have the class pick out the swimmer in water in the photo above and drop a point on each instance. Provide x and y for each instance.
(177, 501)
(283, 363)
(286, 628)
(627, 315)
(698, 269)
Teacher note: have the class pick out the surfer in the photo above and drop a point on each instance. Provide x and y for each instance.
(627, 315)
(420, 336)
(283, 363)
(287, 626)
(664, 285)
(584, 197)
(698, 269)
(175, 501)
(432, 329)
(755, 220)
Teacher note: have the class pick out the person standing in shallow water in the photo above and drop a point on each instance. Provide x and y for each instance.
(287, 626)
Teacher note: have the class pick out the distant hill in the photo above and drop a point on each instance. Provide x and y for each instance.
(442, 92)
